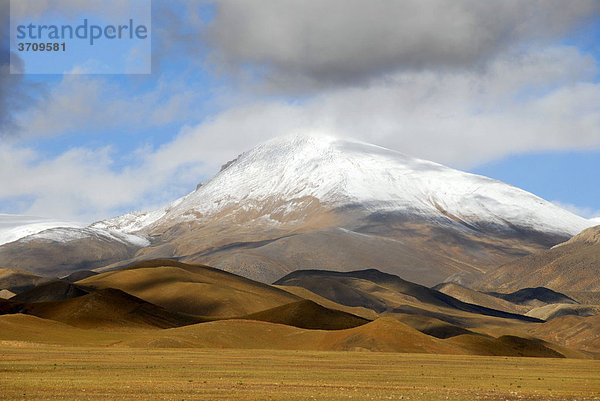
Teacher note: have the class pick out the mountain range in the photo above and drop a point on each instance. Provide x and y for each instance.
(164, 303)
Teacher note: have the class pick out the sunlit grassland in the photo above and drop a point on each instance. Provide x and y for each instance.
(42, 372)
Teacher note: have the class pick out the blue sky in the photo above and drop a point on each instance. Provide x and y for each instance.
(512, 97)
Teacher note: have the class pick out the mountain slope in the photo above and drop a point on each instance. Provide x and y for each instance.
(263, 213)
(570, 266)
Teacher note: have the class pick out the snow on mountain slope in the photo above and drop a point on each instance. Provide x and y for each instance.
(14, 227)
(339, 172)
(69, 234)
(136, 221)
(28, 228)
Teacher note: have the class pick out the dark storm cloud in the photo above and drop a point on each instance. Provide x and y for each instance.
(341, 42)
(177, 31)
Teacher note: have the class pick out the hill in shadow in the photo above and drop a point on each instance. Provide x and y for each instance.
(108, 308)
(51, 291)
(308, 315)
(534, 297)
(384, 292)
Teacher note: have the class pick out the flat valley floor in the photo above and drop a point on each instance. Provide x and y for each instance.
(45, 372)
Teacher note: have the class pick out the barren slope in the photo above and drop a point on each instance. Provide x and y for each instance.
(571, 266)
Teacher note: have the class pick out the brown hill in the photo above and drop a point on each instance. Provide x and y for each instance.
(506, 346)
(50, 291)
(192, 289)
(383, 335)
(78, 275)
(18, 280)
(552, 311)
(108, 308)
(534, 297)
(383, 292)
(479, 298)
(365, 313)
(570, 266)
(308, 315)
(575, 332)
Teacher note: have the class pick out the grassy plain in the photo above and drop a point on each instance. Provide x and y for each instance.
(49, 372)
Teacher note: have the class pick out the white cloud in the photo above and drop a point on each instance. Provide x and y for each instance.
(81, 104)
(586, 212)
(460, 118)
(457, 118)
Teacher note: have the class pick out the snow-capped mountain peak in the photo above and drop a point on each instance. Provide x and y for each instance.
(285, 174)
(340, 172)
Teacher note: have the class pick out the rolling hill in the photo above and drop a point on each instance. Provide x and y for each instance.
(192, 289)
(308, 315)
(384, 292)
(108, 308)
(479, 298)
(18, 280)
(50, 291)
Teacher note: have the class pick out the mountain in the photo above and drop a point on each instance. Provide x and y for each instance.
(570, 266)
(552, 311)
(14, 227)
(315, 202)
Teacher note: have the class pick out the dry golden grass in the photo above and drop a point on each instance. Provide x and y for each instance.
(37, 372)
